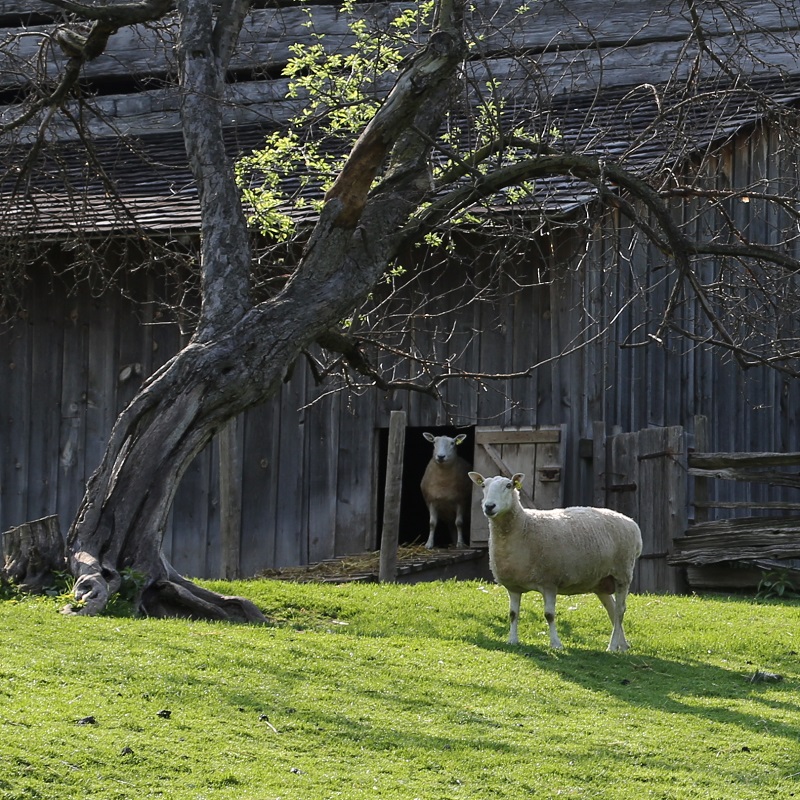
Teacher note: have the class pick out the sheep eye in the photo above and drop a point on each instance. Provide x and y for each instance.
(508, 485)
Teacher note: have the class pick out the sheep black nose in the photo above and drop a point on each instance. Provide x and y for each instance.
(440, 459)
(488, 508)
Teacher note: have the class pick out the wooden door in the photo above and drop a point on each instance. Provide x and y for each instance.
(536, 452)
(645, 478)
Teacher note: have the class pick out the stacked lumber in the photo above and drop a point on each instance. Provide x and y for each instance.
(736, 552)
(738, 539)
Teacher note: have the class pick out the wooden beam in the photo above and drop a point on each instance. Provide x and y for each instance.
(734, 474)
(387, 571)
(713, 461)
(517, 436)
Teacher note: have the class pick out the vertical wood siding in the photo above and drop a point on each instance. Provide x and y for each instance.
(309, 464)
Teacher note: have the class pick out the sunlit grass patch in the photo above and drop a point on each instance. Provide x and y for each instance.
(402, 692)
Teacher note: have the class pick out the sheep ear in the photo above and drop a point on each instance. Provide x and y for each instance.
(517, 480)
(477, 478)
(460, 438)
(429, 436)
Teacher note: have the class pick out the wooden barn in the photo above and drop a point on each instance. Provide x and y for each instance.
(593, 399)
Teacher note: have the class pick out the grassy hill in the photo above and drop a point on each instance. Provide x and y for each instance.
(402, 692)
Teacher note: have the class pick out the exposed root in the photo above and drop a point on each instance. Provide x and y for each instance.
(92, 593)
(178, 597)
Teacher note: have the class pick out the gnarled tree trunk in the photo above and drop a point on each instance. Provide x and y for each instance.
(240, 352)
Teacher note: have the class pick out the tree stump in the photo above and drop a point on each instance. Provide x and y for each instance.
(33, 552)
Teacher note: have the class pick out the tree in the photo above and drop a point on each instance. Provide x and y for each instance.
(241, 351)
(385, 198)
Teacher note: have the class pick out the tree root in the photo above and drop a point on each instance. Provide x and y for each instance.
(177, 597)
(169, 594)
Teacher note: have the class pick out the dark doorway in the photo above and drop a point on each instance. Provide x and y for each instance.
(416, 454)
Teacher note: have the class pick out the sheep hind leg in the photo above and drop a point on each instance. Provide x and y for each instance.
(611, 609)
(618, 640)
(550, 616)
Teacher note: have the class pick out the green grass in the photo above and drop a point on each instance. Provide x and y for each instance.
(402, 692)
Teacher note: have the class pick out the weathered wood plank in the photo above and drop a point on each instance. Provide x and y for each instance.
(46, 370)
(260, 468)
(101, 379)
(730, 526)
(16, 409)
(230, 499)
(390, 529)
(773, 504)
(741, 547)
(322, 453)
(599, 455)
(714, 461)
(71, 454)
(498, 435)
(664, 492)
(191, 517)
(291, 545)
(208, 496)
(550, 471)
(735, 474)
(356, 478)
(621, 486)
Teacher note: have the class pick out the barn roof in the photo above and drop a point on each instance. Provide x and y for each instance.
(144, 182)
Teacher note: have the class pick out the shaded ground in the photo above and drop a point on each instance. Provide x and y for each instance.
(414, 563)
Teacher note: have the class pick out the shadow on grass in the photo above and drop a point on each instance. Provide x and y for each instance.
(687, 686)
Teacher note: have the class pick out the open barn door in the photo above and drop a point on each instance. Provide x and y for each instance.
(536, 452)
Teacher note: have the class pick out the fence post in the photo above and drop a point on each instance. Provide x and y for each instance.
(391, 503)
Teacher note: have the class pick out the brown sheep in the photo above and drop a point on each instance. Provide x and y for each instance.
(446, 486)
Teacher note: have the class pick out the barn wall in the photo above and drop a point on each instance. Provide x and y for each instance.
(634, 382)
(310, 472)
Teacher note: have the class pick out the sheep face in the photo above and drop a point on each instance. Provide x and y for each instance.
(444, 447)
(499, 493)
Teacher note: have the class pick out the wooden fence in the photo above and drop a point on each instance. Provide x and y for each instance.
(735, 552)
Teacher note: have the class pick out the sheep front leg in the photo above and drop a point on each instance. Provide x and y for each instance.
(550, 616)
(514, 599)
(460, 527)
(433, 519)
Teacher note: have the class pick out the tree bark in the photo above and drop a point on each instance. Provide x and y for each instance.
(241, 353)
(33, 553)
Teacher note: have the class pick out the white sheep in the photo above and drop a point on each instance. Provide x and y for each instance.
(562, 551)
(446, 486)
